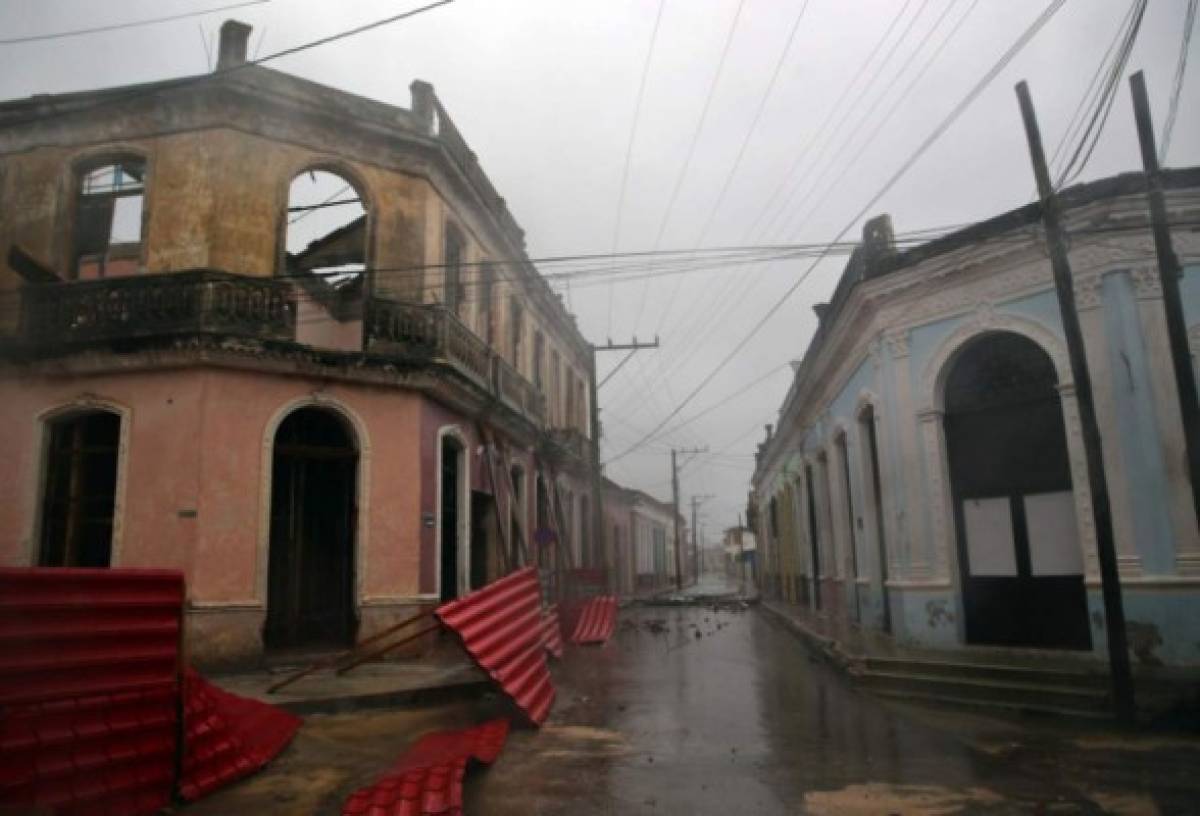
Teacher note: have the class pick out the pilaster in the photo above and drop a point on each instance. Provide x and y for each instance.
(1152, 319)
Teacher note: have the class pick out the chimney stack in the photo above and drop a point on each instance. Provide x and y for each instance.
(232, 51)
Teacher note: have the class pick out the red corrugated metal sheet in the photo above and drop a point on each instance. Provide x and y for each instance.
(89, 672)
(227, 736)
(596, 620)
(552, 632)
(427, 780)
(501, 627)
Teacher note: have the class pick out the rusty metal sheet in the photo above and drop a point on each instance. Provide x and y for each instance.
(89, 684)
(226, 736)
(427, 779)
(501, 627)
(552, 632)
(597, 620)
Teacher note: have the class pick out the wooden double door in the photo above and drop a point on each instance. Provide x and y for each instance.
(1020, 562)
(310, 593)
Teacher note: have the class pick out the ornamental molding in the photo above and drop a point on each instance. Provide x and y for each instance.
(897, 344)
(1147, 285)
(975, 281)
(1088, 288)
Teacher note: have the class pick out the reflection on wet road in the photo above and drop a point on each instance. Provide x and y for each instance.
(703, 710)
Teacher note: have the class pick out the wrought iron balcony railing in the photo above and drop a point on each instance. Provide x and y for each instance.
(61, 317)
(426, 333)
(81, 312)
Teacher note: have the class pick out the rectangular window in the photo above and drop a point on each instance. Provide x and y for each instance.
(555, 389)
(539, 362)
(452, 258)
(569, 419)
(517, 329)
(485, 303)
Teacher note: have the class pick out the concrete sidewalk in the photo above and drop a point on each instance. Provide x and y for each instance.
(446, 674)
(1002, 680)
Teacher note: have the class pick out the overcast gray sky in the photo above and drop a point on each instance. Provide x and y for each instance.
(545, 91)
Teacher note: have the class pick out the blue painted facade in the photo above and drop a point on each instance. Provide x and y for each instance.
(894, 361)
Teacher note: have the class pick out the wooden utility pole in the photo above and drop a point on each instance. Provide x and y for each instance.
(1114, 612)
(1168, 274)
(696, 502)
(675, 510)
(675, 521)
(597, 473)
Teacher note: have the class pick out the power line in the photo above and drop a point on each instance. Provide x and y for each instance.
(737, 161)
(1189, 25)
(687, 160)
(154, 88)
(942, 127)
(721, 302)
(637, 114)
(897, 103)
(79, 32)
(848, 166)
(1086, 100)
(1107, 96)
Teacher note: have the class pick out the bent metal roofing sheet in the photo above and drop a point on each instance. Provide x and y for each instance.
(501, 627)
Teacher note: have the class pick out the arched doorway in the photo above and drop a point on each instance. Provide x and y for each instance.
(79, 494)
(1018, 546)
(310, 590)
(453, 501)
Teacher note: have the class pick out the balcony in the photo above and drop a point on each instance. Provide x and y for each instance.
(60, 318)
(77, 313)
(417, 332)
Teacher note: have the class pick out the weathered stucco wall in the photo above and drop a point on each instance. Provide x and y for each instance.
(195, 479)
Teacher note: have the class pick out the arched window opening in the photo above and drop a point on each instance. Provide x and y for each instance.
(310, 582)
(79, 496)
(109, 217)
(1020, 561)
(326, 231)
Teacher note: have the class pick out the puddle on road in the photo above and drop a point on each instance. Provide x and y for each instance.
(1125, 804)
(875, 798)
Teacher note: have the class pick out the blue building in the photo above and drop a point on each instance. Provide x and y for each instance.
(926, 477)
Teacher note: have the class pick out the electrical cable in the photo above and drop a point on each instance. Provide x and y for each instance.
(131, 24)
(1189, 25)
(1095, 127)
(1014, 49)
(637, 114)
(154, 88)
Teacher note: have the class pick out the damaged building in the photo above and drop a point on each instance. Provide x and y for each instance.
(286, 340)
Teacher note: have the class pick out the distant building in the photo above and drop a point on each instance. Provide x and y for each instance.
(740, 551)
(642, 537)
(926, 476)
(325, 425)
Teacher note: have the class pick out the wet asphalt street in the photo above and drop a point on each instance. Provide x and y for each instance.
(703, 710)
